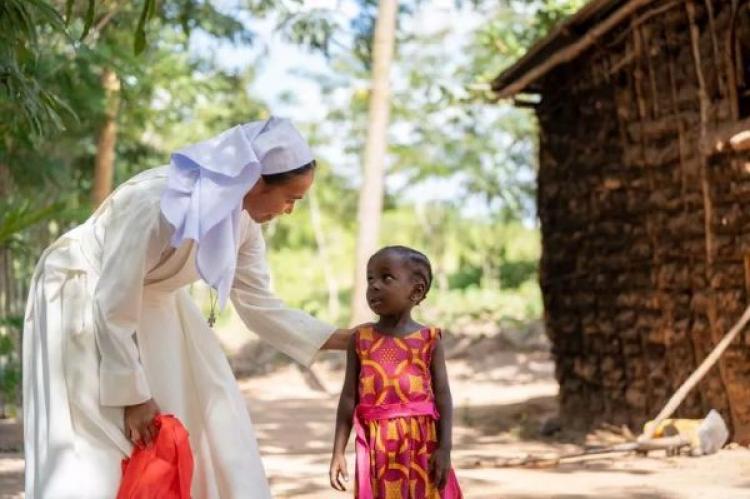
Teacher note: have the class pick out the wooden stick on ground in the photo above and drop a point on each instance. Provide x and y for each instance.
(668, 444)
(705, 366)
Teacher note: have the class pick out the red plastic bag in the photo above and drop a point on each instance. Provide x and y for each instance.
(163, 470)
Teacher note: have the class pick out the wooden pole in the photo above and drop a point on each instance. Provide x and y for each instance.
(705, 366)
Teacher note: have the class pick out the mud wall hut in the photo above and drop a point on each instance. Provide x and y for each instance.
(644, 201)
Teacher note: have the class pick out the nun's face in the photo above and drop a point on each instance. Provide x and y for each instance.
(265, 201)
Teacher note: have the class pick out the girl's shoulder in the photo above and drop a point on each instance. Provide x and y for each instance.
(363, 335)
(367, 334)
(425, 335)
(436, 334)
(432, 333)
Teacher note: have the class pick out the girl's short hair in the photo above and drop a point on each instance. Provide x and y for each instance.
(418, 262)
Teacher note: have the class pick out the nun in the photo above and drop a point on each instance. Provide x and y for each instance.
(112, 337)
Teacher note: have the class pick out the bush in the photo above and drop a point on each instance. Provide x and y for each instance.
(10, 366)
(454, 308)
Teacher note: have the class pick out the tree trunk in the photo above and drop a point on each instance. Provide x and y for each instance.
(371, 193)
(104, 167)
(4, 277)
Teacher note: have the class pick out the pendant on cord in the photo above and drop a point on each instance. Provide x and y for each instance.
(212, 312)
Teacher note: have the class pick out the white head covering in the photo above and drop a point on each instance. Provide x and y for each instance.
(208, 180)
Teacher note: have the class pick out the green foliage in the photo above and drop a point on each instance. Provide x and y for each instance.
(10, 366)
(17, 217)
(514, 26)
(455, 309)
(474, 261)
(25, 102)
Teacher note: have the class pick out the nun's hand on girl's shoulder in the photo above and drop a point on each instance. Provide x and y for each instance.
(140, 425)
(339, 339)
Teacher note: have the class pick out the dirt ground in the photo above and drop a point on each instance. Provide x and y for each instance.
(498, 414)
(500, 402)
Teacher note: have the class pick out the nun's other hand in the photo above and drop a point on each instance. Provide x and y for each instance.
(338, 340)
(140, 425)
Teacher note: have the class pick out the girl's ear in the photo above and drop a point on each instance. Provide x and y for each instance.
(418, 292)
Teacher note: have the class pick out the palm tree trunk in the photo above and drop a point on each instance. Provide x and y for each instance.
(104, 168)
(371, 193)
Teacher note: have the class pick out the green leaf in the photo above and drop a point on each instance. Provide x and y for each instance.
(68, 11)
(17, 219)
(6, 345)
(149, 8)
(89, 20)
(14, 321)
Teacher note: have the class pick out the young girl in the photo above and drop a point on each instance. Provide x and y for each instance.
(402, 393)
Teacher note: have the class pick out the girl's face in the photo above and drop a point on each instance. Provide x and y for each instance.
(264, 201)
(391, 288)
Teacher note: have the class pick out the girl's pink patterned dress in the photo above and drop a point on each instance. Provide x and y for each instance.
(396, 417)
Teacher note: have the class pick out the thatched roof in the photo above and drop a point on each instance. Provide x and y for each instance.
(563, 44)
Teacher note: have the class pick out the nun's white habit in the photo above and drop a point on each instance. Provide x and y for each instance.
(110, 323)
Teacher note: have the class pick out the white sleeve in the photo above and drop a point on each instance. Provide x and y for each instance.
(135, 235)
(295, 333)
